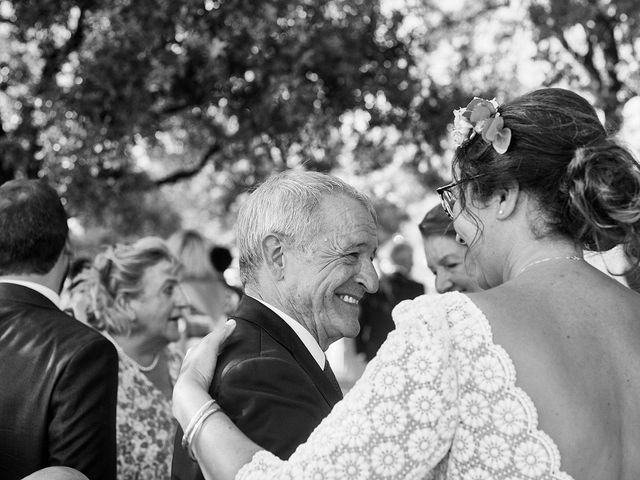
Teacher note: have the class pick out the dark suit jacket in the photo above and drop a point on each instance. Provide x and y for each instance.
(268, 383)
(375, 311)
(402, 287)
(59, 390)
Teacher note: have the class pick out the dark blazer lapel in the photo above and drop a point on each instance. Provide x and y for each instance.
(255, 312)
(11, 292)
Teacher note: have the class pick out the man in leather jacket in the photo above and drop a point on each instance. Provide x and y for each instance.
(306, 243)
(59, 377)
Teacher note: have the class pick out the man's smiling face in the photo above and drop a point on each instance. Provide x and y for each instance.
(325, 281)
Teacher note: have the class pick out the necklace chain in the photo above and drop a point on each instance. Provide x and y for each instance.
(547, 259)
(149, 367)
(120, 350)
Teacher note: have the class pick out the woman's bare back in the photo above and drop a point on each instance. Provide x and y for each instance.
(575, 344)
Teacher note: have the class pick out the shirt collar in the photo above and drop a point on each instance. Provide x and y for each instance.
(38, 287)
(302, 333)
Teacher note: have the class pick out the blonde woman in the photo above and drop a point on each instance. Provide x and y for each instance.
(202, 285)
(136, 302)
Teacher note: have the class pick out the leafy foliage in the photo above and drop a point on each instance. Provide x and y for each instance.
(593, 45)
(95, 86)
(140, 109)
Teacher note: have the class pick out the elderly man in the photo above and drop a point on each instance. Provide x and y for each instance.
(59, 377)
(306, 244)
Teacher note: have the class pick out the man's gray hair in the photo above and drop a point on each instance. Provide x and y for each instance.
(285, 205)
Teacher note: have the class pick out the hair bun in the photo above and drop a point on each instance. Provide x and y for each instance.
(603, 186)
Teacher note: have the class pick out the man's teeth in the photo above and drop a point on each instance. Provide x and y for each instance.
(349, 299)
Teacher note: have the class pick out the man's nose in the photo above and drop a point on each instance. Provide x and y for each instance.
(368, 277)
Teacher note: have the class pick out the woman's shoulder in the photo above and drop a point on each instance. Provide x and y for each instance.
(435, 310)
(452, 318)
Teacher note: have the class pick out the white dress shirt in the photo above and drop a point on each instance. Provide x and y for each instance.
(302, 333)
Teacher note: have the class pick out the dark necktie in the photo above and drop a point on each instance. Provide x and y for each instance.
(330, 375)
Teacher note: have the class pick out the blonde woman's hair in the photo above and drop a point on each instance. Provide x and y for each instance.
(119, 270)
(192, 250)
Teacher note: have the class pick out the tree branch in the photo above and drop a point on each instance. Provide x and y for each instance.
(585, 60)
(188, 173)
(172, 109)
(56, 57)
(610, 51)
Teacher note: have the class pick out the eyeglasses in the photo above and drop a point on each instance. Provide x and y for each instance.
(447, 198)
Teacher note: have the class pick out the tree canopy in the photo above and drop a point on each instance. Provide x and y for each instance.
(140, 109)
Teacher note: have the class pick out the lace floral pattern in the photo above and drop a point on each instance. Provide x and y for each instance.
(439, 401)
(144, 423)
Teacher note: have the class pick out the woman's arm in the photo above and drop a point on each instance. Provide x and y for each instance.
(398, 421)
(227, 448)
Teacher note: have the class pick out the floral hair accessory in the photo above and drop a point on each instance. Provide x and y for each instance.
(481, 116)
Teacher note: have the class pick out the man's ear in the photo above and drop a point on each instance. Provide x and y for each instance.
(506, 200)
(273, 254)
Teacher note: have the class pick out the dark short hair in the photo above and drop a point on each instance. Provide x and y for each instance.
(33, 227)
(436, 222)
(220, 258)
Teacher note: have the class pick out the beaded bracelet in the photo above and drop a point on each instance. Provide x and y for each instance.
(192, 423)
(210, 411)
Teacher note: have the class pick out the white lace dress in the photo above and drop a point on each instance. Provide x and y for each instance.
(438, 401)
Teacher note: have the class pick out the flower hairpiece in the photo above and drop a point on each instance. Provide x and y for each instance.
(481, 116)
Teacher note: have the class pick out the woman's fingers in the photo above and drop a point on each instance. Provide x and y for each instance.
(229, 327)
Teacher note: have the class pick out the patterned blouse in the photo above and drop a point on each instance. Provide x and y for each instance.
(145, 427)
(439, 401)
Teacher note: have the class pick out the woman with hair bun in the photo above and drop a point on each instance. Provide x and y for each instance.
(136, 301)
(534, 377)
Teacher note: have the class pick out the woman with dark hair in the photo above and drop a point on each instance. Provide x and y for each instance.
(537, 180)
(221, 259)
(135, 301)
(446, 258)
